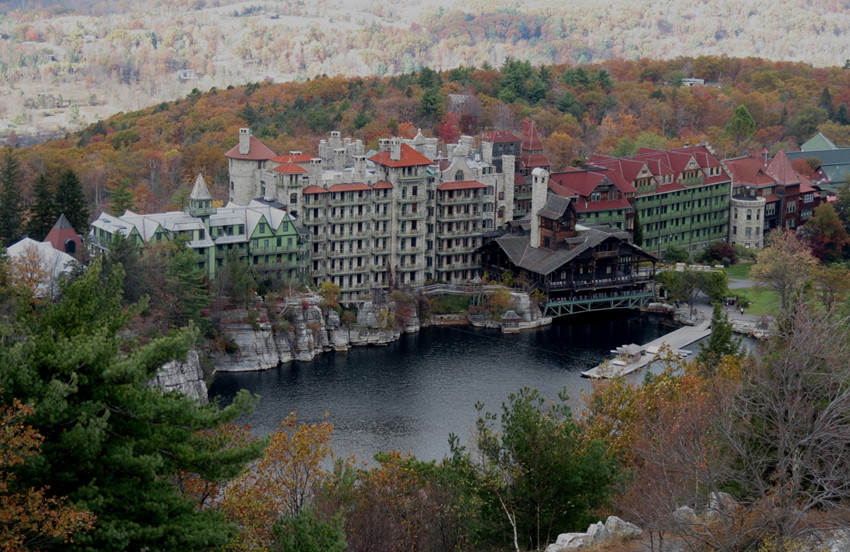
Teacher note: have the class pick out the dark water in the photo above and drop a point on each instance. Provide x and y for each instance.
(410, 395)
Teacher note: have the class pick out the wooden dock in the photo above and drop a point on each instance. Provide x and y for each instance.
(675, 340)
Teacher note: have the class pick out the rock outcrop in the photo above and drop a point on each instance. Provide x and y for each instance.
(614, 529)
(187, 377)
(296, 328)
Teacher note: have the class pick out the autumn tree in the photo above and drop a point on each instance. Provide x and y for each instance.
(784, 265)
(826, 234)
(71, 201)
(11, 200)
(281, 485)
(29, 518)
(113, 443)
(831, 285)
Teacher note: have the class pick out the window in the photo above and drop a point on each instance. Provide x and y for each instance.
(791, 207)
(595, 196)
(749, 214)
(459, 175)
(808, 198)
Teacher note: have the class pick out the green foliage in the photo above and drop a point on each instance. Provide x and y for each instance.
(687, 284)
(742, 125)
(536, 477)
(721, 342)
(307, 533)
(71, 201)
(237, 279)
(113, 444)
(677, 254)
(121, 198)
(804, 124)
(43, 213)
(11, 200)
(449, 304)
(518, 80)
(123, 254)
(185, 284)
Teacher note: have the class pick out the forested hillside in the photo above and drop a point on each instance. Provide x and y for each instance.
(611, 107)
(64, 64)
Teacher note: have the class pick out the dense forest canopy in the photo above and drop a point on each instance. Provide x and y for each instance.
(610, 108)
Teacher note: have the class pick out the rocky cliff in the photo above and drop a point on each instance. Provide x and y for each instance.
(187, 377)
(297, 328)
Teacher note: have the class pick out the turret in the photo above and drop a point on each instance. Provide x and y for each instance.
(539, 190)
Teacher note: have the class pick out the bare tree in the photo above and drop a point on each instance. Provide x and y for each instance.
(783, 265)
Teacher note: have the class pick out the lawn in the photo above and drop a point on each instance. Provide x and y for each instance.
(740, 271)
(762, 301)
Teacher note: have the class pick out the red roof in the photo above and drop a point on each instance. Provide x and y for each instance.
(531, 141)
(500, 137)
(383, 185)
(582, 182)
(289, 168)
(257, 151)
(293, 158)
(534, 160)
(460, 185)
(782, 171)
(584, 206)
(771, 198)
(314, 190)
(409, 158)
(350, 187)
(61, 234)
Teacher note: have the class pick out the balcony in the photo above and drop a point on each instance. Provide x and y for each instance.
(459, 216)
(442, 200)
(458, 233)
(419, 214)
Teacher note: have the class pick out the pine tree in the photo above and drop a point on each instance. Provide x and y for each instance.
(71, 201)
(184, 282)
(721, 342)
(113, 444)
(11, 201)
(121, 198)
(43, 213)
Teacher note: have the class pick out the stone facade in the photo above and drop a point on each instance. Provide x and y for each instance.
(399, 217)
(746, 221)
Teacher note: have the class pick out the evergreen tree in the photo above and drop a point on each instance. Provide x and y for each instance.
(124, 253)
(742, 125)
(638, 234)
(11, 202)
(43, 213)
(121, 198)
(721, 342)
(113, 444)
(71, 201)
(185, 284)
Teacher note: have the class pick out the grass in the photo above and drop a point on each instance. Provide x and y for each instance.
(740, 271)
(761, 301)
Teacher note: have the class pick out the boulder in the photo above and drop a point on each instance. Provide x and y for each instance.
(570, 541)
(598, 532)
(622, 529)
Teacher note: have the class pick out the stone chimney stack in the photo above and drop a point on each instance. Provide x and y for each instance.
(339, 159)
(395, 149)
(360, 168)
(244, 141)
(316, 171)
(539, 191)
(487, 151)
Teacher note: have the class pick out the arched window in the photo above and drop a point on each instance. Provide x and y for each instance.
(459, 175)
(749, 214)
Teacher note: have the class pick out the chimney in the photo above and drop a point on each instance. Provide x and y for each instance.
(360, 168)
(339, 159)
(244, 141)
(316, 171)
(539, 190)
(487, 151)
(395, 149)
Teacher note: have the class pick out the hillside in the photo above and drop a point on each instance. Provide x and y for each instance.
(66, 64)
(613, 107)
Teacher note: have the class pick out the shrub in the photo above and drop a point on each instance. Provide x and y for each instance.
(676, 254)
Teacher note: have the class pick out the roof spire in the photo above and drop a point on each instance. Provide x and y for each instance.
(200, 190)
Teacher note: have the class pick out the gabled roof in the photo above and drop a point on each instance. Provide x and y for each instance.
(555, 207)
(314, 190)
(383, 185)
(500, 137)
(409, 158)
(781, 171)
(460, 185)
(200, 190)
(818, 142)
(544, 261)
(582, 182)
(289, 168)
(749, 171)
(257, 151)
